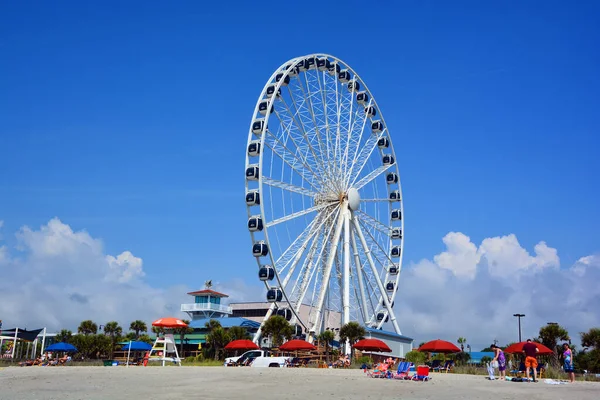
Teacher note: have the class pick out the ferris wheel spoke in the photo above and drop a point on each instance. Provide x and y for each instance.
(297, 214)
(296, 164)
(376, 242)
(304, 132)
(372, 175)
(381, 227)
(287, 186)
(308, 232)
(355, 139)
(323, 92)
(359, 277)
(382, 290)
(303, 149)
(360, 159)
(317, 117)
(327, 273)
(383, 199)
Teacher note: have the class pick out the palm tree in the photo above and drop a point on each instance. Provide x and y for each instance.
(138, 327)
(87, 327)
(278, 328)
(113, 330)
(158, 330)
(212, 324)
(238, 332)
(326, 337)
(182, 332)
(217, 339)
(63, 336)
(462, 341)
(351, 332)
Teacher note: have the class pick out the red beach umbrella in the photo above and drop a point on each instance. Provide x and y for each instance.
(439, 346)
(241, 344)
(169, 322)
(372, 345)
(295, 345)
(518, 348)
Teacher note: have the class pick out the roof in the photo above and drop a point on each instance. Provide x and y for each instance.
(388, 334)
(226, 322)
(207, 292)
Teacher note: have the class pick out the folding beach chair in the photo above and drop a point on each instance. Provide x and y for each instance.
(402, 371)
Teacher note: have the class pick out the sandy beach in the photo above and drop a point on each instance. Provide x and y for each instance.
(264, 383)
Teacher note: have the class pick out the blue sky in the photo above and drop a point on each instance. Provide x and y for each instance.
(130, 120)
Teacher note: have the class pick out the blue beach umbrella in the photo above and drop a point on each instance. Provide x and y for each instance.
(137, 346)
(62, 346)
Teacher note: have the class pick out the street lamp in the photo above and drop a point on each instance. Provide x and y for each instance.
(519, 316)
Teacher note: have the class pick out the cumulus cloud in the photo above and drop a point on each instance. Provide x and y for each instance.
(59, 277)
(473, 291)
(56, 277)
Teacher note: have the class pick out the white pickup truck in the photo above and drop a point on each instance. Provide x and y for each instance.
(257, 358)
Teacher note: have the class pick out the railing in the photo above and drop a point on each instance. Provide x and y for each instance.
(206, 307)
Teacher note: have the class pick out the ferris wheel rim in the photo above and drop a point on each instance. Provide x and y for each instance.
(291, 64)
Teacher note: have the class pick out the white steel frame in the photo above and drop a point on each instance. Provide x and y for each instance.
(319, 148)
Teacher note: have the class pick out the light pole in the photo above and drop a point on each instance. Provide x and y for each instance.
(519, 316)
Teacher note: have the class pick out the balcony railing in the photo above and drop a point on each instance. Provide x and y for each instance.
(206, 307)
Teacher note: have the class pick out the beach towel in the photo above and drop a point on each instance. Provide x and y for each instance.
(490, 370)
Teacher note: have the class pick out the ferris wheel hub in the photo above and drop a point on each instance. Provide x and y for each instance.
(353, 199)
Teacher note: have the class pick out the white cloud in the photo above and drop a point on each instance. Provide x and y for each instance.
(125, 267)
(63, 277)
(473, 291)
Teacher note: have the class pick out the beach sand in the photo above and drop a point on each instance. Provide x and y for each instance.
(90, 383)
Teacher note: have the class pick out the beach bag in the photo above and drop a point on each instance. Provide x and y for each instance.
(495, 364)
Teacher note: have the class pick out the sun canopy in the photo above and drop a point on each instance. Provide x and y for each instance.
(296, 344)
(169, 322)
(518, 348)
(62, 346)
(137, 346)
(242, 344)
(439, 346)
(372, 345)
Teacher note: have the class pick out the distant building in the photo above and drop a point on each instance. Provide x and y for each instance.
(207, 304)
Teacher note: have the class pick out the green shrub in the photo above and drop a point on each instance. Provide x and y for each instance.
(416, 357)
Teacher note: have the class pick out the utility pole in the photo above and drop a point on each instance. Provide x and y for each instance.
(519, 316)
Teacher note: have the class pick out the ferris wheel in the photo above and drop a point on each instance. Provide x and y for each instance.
(323, 197)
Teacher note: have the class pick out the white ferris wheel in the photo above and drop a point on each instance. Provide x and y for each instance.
(323, 197)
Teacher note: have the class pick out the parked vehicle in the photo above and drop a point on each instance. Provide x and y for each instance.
(257, 358)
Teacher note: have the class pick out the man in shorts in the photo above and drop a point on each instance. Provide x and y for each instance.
(530, 349)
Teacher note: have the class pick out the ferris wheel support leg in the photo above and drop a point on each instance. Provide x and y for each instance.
(361, 284)
(384, 294)
(326, 276)
(346, 275)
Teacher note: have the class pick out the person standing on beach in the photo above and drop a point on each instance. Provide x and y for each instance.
(530, 349)
(568, 362)
(500, 359)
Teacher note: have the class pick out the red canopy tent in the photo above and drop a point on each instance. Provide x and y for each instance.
(439, 346)
(242, 344)
(296, 344)
(372, 345)
(518, 348)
